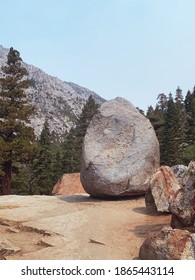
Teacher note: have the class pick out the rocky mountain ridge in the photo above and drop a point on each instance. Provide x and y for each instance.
(57, 101)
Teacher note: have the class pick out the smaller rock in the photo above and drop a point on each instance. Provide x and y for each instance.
(7, 248)
(163, 187)
(191, 168)
(183, 172)
(183, 206)
(177, 223)
(169, 244)
(68, 184)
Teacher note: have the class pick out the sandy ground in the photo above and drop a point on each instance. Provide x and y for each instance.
(76, 227)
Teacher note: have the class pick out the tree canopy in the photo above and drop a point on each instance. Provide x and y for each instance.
(173, 120)
(16, 136)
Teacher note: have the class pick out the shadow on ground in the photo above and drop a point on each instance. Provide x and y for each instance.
(144, 230)
(88, 198)
(149, 212)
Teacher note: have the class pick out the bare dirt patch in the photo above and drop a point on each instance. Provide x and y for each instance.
(27, 239)
(76, 227)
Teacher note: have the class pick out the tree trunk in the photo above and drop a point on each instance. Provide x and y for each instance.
(6, 179)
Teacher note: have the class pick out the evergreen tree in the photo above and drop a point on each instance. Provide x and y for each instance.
(157, 118)
(174, 123)
(73, 142)
(16, 137)
(70, 158)
(22, 179)
(171, 152)
(43, 165)
(89, 109)
(45, 137)
(179, 96)
(189, 149)
(188, 154)
(162, 102)
(181, 123)
(190, 117)
(57, 166)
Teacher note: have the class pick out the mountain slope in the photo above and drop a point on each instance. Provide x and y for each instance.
(59, 101)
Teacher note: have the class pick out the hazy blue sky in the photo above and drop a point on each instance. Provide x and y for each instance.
(130, 48)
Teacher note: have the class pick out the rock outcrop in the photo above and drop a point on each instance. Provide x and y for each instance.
(162, 190)
(169, 244)
(68, 184)
(120, 151)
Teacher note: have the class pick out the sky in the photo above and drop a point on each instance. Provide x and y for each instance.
(135, 49)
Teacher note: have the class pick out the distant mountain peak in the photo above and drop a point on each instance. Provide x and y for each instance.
(57, 101)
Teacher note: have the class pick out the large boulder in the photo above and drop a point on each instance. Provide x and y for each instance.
(169, 244)
(120, 151)
(162, 190)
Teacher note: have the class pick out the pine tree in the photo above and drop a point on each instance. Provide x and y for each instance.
(180, 115)
(45, 137)
(88, 111)
(70, 158)
(73, 142)
(189, 149)
(43, 165)
(162, 102)
(172, 140)
(157, 118)
(57, 166)
(22, 179)
(179, 96)
(190, 117)
(16, 137)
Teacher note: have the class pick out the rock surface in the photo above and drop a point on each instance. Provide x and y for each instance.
(180, 171)
(183, 172)
(7, 247)
(68, 184)
(75, 227)
(162, 190)
(120, 151)
(169, 244)
(191, 168)
(183, 206)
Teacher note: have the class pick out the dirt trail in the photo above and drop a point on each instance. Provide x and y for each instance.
(75, 227)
